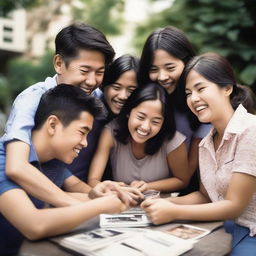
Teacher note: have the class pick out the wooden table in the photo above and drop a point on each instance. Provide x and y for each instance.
(216, 243)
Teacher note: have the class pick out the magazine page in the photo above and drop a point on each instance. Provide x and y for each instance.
(124, 220)
(94, 239)
(149, 243)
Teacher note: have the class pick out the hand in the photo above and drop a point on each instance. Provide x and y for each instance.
(159, 211)
(139, 184)
(108, 187)
(135, 194)
(112, 204)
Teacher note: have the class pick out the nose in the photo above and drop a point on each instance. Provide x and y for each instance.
(145, 125)
(91, 80)
(123, 95)
(194, 97)
(162, 75)
(84, 142)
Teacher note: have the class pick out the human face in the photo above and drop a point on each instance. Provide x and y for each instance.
(145, 121)
(166, 70)
(68, 141)
(85, 71)
(117, 93)
(206, 99)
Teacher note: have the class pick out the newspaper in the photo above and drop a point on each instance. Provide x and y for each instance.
(128, 242)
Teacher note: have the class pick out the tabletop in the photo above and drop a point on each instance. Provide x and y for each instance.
(216, 243)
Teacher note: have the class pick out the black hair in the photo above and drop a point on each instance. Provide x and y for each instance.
(81, 36)
(173, 41)
(151, 91)
(66, 102)
(170, 39)
(218, 70)
(118, 67)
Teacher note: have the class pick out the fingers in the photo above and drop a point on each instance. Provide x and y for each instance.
(147, 203)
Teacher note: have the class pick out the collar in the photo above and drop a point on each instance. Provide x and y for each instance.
(32, 154)
(236, 125)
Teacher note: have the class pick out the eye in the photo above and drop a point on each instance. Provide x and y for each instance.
(156, 123)
(171, 68)
(100, 73)
(83, 71)
(115, 87)
(153, 70)
(201, 89)
(140, 117)
(188, 94)
(131, 90)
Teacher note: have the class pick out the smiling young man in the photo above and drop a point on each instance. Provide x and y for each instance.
(62, 122)
(82, 52)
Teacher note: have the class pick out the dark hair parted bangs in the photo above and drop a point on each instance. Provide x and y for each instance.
(218, 70)
(66, 102)
(170, 39)
(151, 91)
(118, 67)
(77, 37)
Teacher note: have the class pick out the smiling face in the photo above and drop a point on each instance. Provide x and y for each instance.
(206, 99)
(68, 141)
(117, 93)
(85, 71)
(166, 70)
(145, 121)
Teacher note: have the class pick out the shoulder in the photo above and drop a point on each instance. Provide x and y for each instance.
(175, 142)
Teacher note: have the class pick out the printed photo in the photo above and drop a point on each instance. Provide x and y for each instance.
(187, 232)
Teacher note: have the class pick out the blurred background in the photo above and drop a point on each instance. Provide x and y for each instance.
(28, 29)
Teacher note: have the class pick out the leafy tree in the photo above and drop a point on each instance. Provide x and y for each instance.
(23, 73)
(105, 15)
(225, 27)
(8, 5)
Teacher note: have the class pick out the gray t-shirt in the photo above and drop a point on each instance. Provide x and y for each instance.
(126, 168)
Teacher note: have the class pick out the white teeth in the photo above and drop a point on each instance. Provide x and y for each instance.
(200, 108)
(77, 150)
(142, 133)
(120, 104)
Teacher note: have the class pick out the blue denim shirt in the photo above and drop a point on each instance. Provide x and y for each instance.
(21, 118)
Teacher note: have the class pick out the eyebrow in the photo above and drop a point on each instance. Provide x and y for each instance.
(87, 66)
(195, 85)
(156, 117)
(121, 84)
(86, 128)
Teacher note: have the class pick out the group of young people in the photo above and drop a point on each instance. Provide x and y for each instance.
(152, 123)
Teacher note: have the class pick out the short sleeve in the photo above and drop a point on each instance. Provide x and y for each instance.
(245, 155)
(202, 131)
(175, 142)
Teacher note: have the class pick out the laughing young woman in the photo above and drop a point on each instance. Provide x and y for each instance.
(227, 156)
(145, 150)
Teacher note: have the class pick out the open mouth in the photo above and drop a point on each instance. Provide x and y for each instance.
(88, 91)
(200, 108)
(77, 151)
(142, 133)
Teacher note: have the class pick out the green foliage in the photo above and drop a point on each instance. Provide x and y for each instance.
(225, 27)
(23, 73)
(8, 5)
(5, 97)
(105, 15)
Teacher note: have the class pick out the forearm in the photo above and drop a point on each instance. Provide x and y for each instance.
(93, 182)
(39, 186)
(83, 197)
(221, 210)
(167, 185)
(73, 184)
(192, 198)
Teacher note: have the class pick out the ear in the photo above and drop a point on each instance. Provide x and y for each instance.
(52, 123)
(58, 62)
(228, 90)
